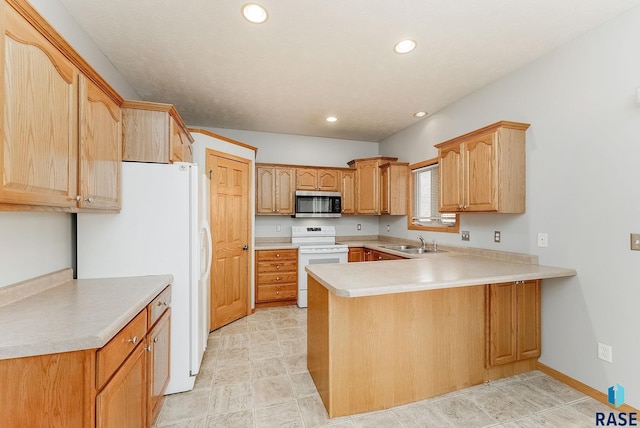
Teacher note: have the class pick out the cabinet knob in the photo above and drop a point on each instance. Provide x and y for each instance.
(277, 292)
(133, 340)
(148, 348)
(155, 340)
(278, 210)
(277, 278)
(277, 266)
(89, 199)
(78, 198)
(278, 255)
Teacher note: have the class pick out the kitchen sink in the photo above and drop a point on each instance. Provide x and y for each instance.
(402, 247)
(411, 249)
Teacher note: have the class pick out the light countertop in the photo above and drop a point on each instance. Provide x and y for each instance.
(429, 272)
(75, 315)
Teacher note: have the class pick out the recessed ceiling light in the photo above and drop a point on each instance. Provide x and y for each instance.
(331, 119)
(420, 114)
(405, 46)
(253, 12)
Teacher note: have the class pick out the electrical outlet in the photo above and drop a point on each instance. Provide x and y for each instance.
(543, 240)
(635, 241)
(605, 352)
(359, 226)
(496, 236)
(278, 228)
(465, 235)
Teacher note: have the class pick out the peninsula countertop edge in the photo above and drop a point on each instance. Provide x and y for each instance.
(435, 271)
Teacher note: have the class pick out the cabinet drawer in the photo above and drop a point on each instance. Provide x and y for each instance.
(156, 308)
(277, 255)
(277, 292)
(277, 278)
(111, 356)
(277, 266)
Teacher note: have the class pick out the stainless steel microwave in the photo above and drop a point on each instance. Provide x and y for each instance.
(318, 204)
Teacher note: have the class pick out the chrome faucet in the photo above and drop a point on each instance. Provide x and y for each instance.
(422, 241)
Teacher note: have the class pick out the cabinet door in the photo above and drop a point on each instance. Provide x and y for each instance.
(265, 190)
(328, 180)
(385, 183)
(348, 192)
(306, 179)
(284, 190)
(450, 168)
(158, 364)
(39, 142)
(356, 255)
(367, 187)
(123, 401)
(146, 135)
(502, 323)
(480, 173)
(100, 148)
(528, 327)
(181, 150)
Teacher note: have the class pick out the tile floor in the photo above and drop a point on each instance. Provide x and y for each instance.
(254, 375)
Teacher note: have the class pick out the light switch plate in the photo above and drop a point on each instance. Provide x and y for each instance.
(465, 235)
(635, 241)
(496, 236)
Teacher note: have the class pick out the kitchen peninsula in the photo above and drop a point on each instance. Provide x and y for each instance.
(385, 334)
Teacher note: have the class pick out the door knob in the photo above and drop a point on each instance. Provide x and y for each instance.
(245, 248)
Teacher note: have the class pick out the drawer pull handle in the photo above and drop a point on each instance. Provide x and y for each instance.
(133, 340)
(165, 304)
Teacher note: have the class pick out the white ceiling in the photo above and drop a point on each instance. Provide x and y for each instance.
(315, 58)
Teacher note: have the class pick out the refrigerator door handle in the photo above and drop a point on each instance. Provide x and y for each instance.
(207, 233)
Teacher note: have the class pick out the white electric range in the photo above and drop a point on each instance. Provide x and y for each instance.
(316, 244)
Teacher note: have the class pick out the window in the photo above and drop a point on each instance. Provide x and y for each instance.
(424, 200)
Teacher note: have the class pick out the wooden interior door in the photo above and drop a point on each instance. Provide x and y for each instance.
(230, 220)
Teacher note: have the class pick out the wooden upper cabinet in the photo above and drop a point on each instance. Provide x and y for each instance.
(100, 148)
(347, 179)
(61, 133)
(367, 183)
(318, 179)
(38, 157)
(154, 132)
(274, 190)
(394, 188)
(485, 170)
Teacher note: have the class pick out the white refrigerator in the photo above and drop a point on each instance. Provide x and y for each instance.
(162, 228)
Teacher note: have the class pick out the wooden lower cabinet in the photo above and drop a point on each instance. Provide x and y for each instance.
(356, 254)
(375, 352)
(119, 385)
(123, 402)
(513, 322)
(360, 254)
(158, 348)
(276, 277)
(381, 255)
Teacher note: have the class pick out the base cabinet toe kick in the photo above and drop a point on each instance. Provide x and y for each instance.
(375, 352)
